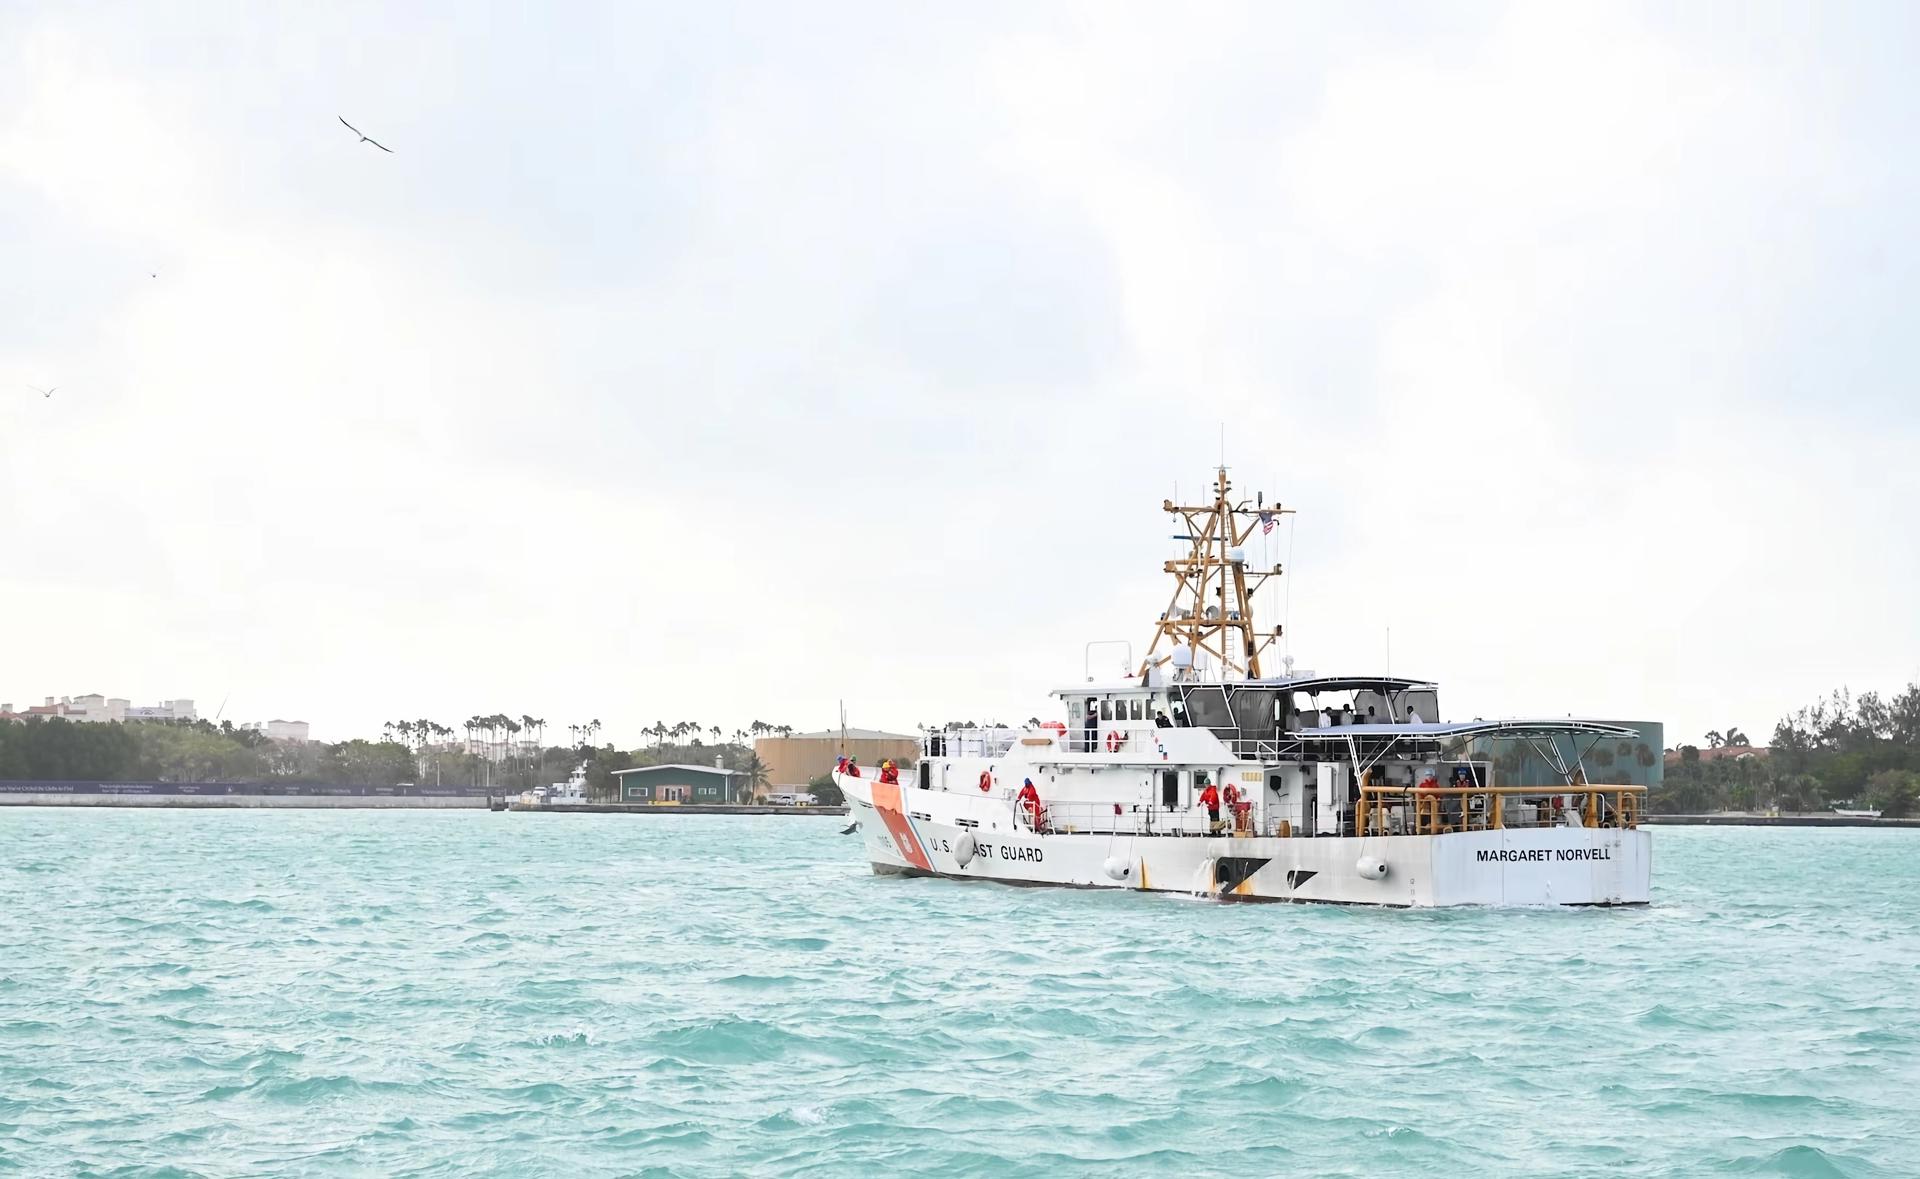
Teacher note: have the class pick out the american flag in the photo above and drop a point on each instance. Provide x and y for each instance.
(1266, 523)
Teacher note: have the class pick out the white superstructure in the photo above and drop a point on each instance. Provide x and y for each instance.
(1311, 788)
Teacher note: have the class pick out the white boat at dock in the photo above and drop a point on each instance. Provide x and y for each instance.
(1198, 774)
(572, 792)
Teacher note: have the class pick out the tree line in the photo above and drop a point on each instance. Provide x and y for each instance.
(1841, 750)
(408, 751)
(56, 749)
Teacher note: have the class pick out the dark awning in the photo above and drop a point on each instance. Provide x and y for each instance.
(1436, 731)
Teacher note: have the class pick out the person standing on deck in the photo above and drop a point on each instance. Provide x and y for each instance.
(1030, 799)
(1210, 798)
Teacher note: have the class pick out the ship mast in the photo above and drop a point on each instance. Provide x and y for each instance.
(1212, 605)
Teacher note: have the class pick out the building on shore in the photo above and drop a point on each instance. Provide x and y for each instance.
(675, 783)
(794, 761)
(94, 707)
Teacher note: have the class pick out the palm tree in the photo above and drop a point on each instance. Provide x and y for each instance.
(1736, 737)
(753, 774)
(472, 725)
(1714, 739)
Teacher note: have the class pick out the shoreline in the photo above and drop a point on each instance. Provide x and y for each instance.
(389, 802)
(1736, 819)
(676, 808)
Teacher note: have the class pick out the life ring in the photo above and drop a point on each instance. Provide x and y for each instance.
(986, 781)
(1115, 741)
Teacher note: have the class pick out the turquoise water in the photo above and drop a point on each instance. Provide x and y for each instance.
(464, 993)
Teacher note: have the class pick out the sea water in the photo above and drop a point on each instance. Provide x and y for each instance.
(465, 993)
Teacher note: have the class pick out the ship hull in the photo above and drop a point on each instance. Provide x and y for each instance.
(934, 833)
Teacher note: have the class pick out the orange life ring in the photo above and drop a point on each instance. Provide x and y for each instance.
(986, 781)
(1115, 741)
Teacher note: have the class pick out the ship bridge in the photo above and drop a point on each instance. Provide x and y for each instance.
(1257, 718)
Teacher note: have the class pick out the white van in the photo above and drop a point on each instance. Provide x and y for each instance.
(788, 798)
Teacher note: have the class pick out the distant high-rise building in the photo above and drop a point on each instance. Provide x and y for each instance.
(286, 732)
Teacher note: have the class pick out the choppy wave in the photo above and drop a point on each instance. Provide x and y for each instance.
(347, 993)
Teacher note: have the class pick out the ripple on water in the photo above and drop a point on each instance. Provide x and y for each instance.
(351, 993)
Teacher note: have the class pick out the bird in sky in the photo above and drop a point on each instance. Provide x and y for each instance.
(42, 392)
(363, 137)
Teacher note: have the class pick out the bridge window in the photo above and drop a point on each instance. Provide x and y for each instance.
(1207, 708)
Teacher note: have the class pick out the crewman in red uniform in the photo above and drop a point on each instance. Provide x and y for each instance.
(1030, 798)
(1210, 798)
(853, 767)
(840, 767)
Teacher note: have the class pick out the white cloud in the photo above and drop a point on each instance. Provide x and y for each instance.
(585, 400)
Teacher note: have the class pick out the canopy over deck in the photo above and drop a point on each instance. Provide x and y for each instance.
(1369, 745)
(1517, 730)
(1384, 684)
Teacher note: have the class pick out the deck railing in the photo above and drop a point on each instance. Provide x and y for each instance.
(1432, 810)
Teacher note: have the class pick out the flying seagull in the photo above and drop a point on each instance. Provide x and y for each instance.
(42, 392)
(363, 138)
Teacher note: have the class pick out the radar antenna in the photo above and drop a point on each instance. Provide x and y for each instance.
(1211, 610)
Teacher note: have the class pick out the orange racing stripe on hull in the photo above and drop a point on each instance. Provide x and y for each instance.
(886, 800)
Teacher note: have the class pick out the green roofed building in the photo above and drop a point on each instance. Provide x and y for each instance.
(675, 784)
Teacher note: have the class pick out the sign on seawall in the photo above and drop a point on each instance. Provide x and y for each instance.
(217, 789)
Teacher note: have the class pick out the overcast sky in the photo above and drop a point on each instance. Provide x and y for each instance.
(723, 362)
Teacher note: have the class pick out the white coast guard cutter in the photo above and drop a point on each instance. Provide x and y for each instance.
(1329, 788)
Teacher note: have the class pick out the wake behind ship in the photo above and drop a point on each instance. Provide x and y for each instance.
(1198, 774)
